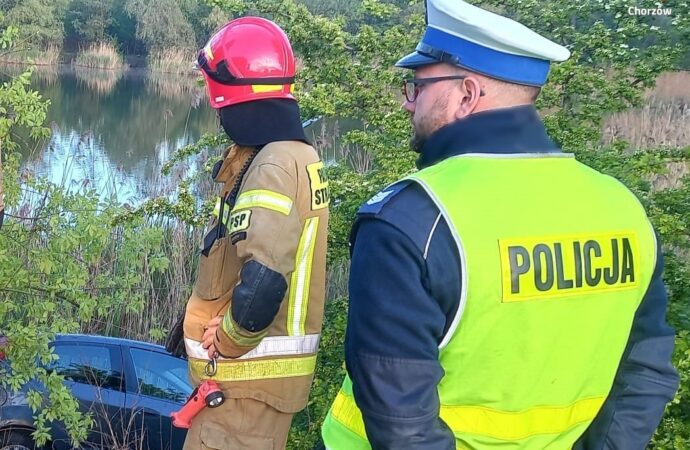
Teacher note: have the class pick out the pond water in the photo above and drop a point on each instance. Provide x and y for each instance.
(113, 131)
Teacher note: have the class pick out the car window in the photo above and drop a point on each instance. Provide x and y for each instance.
(89, 364)
(160, 375)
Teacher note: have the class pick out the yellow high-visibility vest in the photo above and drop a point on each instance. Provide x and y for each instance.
(556, 259)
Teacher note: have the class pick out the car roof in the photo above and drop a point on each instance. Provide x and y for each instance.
(95, 339)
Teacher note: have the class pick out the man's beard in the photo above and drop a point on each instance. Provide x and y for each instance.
(421, 133)
(417, 142)
(428, 125)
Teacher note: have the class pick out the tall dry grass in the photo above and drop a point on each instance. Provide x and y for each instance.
(172, 60)
(327, 137)
(48, 56)
(671, 179)
(337, 276)
(664, 120)
(672, 87)
(166, 293)
(100, 56)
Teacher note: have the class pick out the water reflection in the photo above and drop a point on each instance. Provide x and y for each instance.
(112, 130)
(98, 80)
(326, 135)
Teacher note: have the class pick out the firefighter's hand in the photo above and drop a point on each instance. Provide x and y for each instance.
(210, 335)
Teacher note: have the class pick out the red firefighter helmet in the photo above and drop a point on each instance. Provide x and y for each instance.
(248, 59)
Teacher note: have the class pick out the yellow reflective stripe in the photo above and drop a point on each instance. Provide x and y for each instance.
(301, 278)
(256, 369)
(505, 425)
(264, 199)
(345, 411)
(514, 426)
(230, 328)
(258, 88)
(216, 211)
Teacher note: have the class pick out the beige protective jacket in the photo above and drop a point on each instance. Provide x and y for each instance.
(268, 266)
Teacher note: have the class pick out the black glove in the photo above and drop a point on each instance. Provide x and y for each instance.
(174, 343)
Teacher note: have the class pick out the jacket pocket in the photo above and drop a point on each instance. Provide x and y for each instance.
(213, 437)
(218, 272)
(209, 279)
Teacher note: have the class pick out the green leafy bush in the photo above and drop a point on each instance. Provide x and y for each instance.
(77, 243)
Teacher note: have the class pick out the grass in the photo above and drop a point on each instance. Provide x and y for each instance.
(40, 57)
(327, 136)
(672, 178)
(100, 56)
(172, 60)
(672, 87)
(165, 294)
(664, 121)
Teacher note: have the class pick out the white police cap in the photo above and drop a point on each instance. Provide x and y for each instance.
(481, 41)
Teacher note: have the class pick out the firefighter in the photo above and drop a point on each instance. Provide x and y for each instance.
(506, 295)
(254, 318)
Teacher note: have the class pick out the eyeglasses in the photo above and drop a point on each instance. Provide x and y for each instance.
(411, 86)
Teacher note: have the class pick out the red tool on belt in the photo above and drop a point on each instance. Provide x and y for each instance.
(207, 394)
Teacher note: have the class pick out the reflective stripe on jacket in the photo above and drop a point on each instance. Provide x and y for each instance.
(279, 222)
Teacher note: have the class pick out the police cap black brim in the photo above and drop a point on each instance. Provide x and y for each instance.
(415, 60)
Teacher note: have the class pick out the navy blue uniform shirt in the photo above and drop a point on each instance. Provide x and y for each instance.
(405, 289)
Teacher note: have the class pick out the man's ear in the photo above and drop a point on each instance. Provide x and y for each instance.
(470, 91)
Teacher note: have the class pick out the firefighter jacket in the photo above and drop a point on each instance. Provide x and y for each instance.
(263, 270)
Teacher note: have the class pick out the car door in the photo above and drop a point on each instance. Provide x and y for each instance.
(160, 387)
(93, 373)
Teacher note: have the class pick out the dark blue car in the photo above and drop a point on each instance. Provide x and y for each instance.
(129, 387)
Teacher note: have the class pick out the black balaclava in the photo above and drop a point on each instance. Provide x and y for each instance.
(259, 122)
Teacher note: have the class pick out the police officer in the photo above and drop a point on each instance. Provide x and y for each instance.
(504, 296)
(253, 321)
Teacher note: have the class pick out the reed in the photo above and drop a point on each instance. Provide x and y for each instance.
(48, 56)
(102, 55)
(172, 60)
(663, 121)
